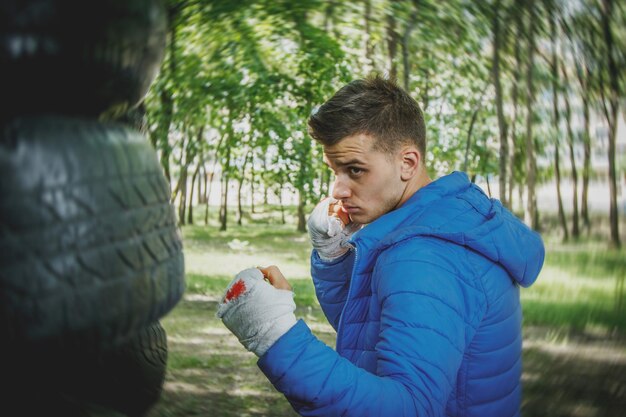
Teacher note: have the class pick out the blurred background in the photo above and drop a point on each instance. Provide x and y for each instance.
(527, 96)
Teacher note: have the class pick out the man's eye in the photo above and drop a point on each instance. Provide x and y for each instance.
(355, 171)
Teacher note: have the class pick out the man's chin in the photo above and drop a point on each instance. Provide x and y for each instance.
(361, 218)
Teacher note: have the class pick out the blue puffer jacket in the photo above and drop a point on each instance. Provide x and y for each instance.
(427, 313)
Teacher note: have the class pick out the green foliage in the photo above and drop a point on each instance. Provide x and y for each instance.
(240, 78)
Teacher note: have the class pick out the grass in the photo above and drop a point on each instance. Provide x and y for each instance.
(581, 286)
(575, 325)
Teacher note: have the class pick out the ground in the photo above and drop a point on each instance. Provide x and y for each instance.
(574, 332)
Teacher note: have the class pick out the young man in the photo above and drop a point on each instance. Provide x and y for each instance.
(424, 296)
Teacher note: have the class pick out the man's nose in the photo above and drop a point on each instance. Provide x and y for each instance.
(341, 189)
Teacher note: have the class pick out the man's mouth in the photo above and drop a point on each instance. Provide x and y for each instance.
(349, 209)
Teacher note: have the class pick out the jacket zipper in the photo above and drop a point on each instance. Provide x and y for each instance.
(340, 325)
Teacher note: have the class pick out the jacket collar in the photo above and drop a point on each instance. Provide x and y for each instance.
(370, 238)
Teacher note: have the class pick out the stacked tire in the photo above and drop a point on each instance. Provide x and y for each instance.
(90, 252)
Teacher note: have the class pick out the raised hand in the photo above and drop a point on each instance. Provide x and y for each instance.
(255, 311)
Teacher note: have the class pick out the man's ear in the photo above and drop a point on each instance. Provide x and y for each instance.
(411, 160)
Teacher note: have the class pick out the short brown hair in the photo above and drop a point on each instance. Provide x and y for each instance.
(373, 106)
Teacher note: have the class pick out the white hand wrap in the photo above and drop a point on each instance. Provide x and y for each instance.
(328, 234)
(256, 312)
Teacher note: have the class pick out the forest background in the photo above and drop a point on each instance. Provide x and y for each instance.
(527, 97)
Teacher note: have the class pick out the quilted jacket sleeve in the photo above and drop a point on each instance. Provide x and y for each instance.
(331, 280)
(427, 317)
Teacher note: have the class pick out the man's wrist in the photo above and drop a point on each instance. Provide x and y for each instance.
(278, 328)
(331, 260)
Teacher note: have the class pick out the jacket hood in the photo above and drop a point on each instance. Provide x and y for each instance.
(454, 209)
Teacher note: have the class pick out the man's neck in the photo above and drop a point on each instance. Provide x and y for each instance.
(414, 184)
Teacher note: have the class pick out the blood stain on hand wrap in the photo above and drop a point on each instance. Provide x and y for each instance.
(235, 291)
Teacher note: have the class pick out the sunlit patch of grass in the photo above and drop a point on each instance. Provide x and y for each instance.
(215, 285)
(207, 284)
(209, 251)
(580, 286)
(591, 259)
(180, 361)
(261, 230)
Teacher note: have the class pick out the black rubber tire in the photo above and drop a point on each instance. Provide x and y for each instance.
(90, 251)
(126, 381)
(77, 57)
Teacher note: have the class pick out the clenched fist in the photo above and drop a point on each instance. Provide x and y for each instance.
(256, 311)
(330, 228)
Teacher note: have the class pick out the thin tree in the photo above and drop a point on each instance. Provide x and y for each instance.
(392, 45)
(517, 79)
(191, 193)
(241, 178)
(570, 144)
(612, 97)
(226, 174)
(502, 127)
(406, 38)
(583, 77)
(554, 64)
(531, 215)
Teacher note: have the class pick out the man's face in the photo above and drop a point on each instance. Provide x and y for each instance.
(367, 181)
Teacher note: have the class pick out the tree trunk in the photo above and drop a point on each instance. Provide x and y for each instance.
(570, 143)
(328, 180)
(193, 183)
(582, 79)
(282, 206)
(469, 138)
(200, 190)
(209, 178)
(208, 195)
(181, 186)
(205, 179)
(514, 97)
(301, 215)
(191, 151)
(392, 46)
(183, 195)
(330, 24)
(183, 154)
(424, 90)
(162, 133)
(530, 216)
(406, 40)
(239, 207)
(495, 69)
(167, 108)
(557, 131)
(265, 187)
(224, 203)
(240, 186)
(252, 175)
(611, 117)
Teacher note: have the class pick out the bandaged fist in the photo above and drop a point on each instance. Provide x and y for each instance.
(330, 228)
(255, 311)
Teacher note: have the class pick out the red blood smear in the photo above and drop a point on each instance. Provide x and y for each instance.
(235, 291)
